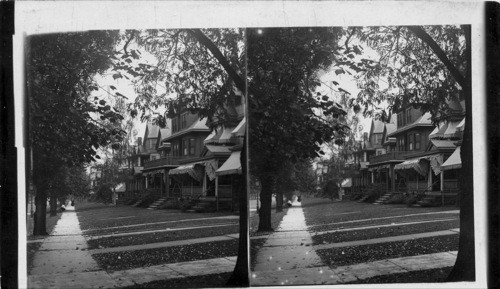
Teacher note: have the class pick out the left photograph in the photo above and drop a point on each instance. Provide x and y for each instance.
(135, 154)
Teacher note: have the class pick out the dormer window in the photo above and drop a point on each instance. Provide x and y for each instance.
(183, 120)
(408, 115)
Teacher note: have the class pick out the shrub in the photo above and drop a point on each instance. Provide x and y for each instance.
(170, 204)
(396, 199)
(373, 192)
(413, 198)
(147, 200)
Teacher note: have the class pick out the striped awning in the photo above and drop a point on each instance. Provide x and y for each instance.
(239, 130)
(195, 170)
(417, 164)
(213, 137)
(453, 162)
(435, 163)
(232, 166)
(226, 136)
(152, 172)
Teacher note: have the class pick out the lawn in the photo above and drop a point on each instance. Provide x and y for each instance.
(141, 258)
(148, 238)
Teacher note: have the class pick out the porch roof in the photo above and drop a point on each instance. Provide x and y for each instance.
(232, 166)
(453, 162)
(195, 170)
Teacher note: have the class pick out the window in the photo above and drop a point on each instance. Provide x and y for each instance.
(410, 141)
(174, 125)
(400, 119)
(192, 146)
(183, 120)
(175, 149)
(185, 147)
(408, 115)
(151, 144)
(378, 139)
(417, 141)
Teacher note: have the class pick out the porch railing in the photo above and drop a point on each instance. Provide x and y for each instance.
(165, 161)
(390, 156)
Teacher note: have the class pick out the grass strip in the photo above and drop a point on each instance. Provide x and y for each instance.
(204, 281)
(323, 211)
(422, 276)
(334, 257)
(409, 219)
(275, 221)
(382, 232)
(255, 245)
(142, 258)
(207, 223)
(157, 237)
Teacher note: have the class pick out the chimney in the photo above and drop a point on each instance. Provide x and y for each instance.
(139, 140)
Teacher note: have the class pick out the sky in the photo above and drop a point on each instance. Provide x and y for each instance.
(126, 87)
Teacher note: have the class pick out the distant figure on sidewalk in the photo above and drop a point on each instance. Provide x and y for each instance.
(288, 203)
(73, 203)
(299, 199)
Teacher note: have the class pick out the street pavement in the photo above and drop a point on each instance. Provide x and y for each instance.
(287, 258)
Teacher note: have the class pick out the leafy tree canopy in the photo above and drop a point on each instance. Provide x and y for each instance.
(193, 70)
(60, 70)
(285, 123)
(419, 66)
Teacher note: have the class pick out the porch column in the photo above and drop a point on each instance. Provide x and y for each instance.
(441, 175)
(373, 177)
(217, 193)
(204, 185)
(429, 179)
(387, 181)
(393, 178)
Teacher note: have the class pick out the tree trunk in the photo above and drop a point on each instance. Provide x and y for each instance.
(53, 204)
(240, 275)
(464, 269)
(39, 228)
(279, 201)
(266, 201)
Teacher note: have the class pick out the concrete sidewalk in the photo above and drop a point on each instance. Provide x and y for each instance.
(130, 277)
(325, 275)
(64, 253)
(289, 247)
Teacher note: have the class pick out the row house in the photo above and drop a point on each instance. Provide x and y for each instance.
(412, 153)
(190, 161)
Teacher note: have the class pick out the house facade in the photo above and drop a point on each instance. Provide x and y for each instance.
(412, 155)
(190, 161)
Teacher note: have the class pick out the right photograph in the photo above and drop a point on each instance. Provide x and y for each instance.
(360, 155)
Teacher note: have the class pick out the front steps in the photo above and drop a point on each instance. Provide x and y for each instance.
(383, 199)
(157, 203)
(136, 203)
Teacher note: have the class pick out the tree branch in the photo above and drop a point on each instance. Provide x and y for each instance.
(238, 81)
(426, 38)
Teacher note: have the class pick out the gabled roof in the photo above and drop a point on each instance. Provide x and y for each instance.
(422, 121)
(216, 150)
(442, 144)
(151, 130)
(199, 125)
(377, 126)
(164, 132)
